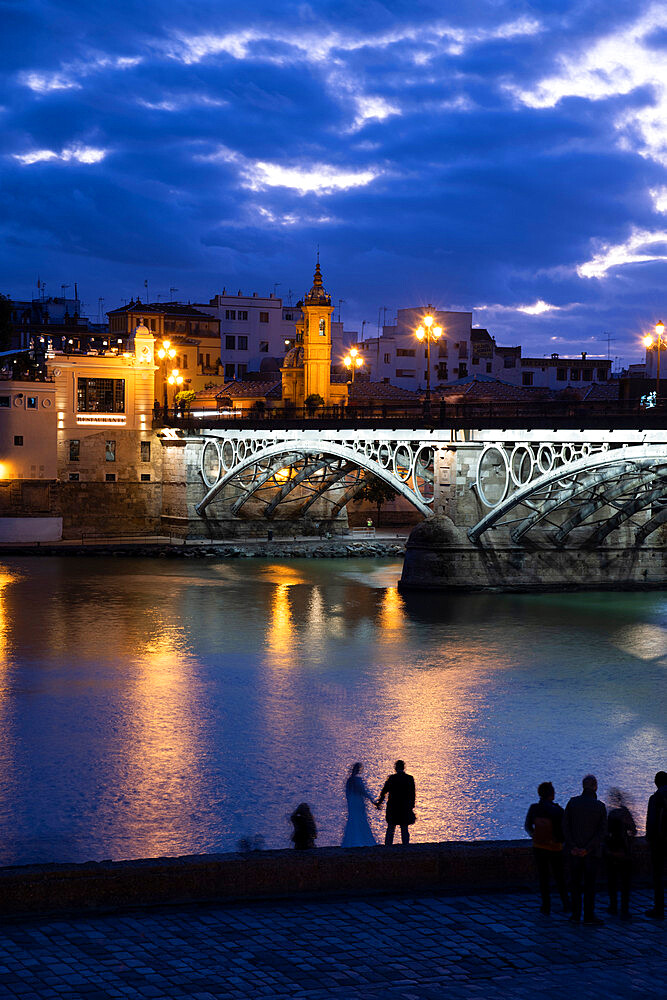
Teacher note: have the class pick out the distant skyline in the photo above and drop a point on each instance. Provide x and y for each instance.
(503, 158)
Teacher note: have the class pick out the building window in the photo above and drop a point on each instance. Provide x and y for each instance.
(100, 395)
(561, 374)
(587, 375)
(74, 450)
(574, 374)
(403, 352)
(387, 359)
(463, 369)
(18, 440)
(475, 360)
(442, 371)
(405, 373)
(110, 477)
(32, 402)
(509, 363)
(230, 343)
(602, 374)
(488, 367)
(243, 314)
(527, 378)
(229, 371)
(264, 317)
(185, 361)
(263, 347)
(230, 314)
(288, 316)
(110, 451)
(74, 477)
(243, 344)
(145, 451)
(4, 401)
(145, 477)
(241, 370)
(442, 350)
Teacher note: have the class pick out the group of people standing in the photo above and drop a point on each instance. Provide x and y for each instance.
(398, 789)
(585, 833)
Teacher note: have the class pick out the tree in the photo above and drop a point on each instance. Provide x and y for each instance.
(185, 398)
(376, 491)
(313, 401)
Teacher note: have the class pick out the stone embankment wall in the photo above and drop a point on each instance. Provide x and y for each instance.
(279, 549)
(448, 868)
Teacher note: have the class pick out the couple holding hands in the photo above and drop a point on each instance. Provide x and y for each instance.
(399, 788)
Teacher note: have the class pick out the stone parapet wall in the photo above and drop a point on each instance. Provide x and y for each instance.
(448, 868)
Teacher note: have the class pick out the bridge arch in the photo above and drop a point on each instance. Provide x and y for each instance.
(261, 461)
(615, 484)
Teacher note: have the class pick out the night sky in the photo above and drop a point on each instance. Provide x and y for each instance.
(507, 158)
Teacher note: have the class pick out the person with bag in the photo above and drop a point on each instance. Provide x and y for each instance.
(621, 828)
(400, 789)
(656, 834)
(544, 823)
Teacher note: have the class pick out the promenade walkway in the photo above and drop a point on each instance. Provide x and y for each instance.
(394, 948)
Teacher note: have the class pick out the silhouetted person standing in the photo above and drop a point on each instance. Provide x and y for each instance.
(656, 834)
(584, 827)
(621, 828)
(305, 830)
(544, 823)
(400, 789)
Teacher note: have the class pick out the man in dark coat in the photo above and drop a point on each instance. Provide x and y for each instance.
(656, 834)
(400, 787)
(584, 827)
(544, 823)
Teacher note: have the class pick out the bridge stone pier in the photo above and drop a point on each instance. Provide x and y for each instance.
(510, 508)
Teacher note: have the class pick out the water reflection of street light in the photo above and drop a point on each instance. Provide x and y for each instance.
(428, 332)
(166, 354)
(352, 361)
(648, 342)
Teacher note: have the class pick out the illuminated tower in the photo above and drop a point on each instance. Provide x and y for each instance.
(306, 369)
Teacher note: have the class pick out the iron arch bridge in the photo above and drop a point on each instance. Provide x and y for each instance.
(571, 494)
(286, 473)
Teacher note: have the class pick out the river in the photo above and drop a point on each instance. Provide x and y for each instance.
(165, 707)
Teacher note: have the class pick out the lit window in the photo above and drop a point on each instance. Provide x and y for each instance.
(110, 451)
(145, 451)
(32, 402)
(74, 450)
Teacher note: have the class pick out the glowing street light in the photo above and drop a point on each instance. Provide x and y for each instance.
(428, 331)
(175, 379)
(352, 361)
(166, 353)
(648, 342)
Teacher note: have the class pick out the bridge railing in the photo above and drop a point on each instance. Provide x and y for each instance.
(547, 413)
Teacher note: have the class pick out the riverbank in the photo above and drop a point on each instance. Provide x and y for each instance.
(463, 867)
(348, 547)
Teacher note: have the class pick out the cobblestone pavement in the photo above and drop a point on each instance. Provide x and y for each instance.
(400, 948)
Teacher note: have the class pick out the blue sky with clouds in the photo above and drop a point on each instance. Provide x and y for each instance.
(507, 158)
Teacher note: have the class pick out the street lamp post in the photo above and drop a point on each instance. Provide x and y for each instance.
(175, 379)
(648, 342)
(352, 361)
(428, 332)
(166, 354)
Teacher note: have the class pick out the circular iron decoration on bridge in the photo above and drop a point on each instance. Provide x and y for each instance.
(493, 475)
(403, 463)
(211, 463)
(228, 457)
(522, 463)
(422, 476)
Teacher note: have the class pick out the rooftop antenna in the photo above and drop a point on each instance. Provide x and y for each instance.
(63, 289)
(340, 302)
(171, 292)
(100, 303)
(146, 287)
(610, 340)
(276, 284)
(289, 296)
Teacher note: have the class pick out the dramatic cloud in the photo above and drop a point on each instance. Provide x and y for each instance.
(499, 152)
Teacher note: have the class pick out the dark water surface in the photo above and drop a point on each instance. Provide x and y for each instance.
(152, 707)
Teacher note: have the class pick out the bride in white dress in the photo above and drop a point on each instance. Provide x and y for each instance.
(357, 829)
